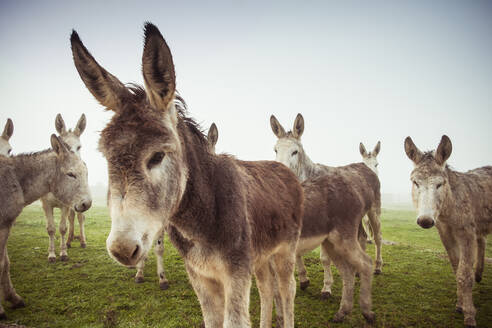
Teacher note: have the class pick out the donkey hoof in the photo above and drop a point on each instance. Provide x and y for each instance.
(64, 258)
(378, 271)
(370, 317)
(280, 321)
(51, 259)
(459, 309)
(83, 245)
(19, 304)
(139, 279)
(325, 295)
(478, 277)
(202, 325)
(304, 284)
(164, 285)
(470, 322)
(69, 245)
(339, 316)
(3, 316)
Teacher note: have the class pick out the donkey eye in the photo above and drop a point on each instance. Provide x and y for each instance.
(377, 165)
(155, 159)
(294, 152)
(439, 185)
(10, 150)
(71, 175)
(275, 151)
(78, 148)
(416, 184)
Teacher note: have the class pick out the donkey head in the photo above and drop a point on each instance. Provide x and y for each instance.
(288, 149)
(212, 137)
(371, 158)
(5, 147)
(430, 180)
(71, 138)
(70, 184)
(146, 167)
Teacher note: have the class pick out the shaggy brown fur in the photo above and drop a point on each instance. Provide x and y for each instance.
(460, 205)
(228, 218)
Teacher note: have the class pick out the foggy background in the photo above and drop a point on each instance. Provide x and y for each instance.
(356, 70)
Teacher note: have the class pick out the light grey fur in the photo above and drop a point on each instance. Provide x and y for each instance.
(27, 177)
(5, 147)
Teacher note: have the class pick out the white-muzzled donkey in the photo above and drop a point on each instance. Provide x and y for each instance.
(25, 178)
(71, 139)
(289, 151)
(460, 206)
(212, 137)
(229, 219)
(5, 147)
(371, 160)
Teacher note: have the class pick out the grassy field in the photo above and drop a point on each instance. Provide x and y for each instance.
(417, 287)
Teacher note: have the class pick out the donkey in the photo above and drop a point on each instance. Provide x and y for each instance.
(25, 178)
(5, 148)
(460, 206)
(289, 151)
(371, 160)
(212, 137)
(227, 218)
(71, 139)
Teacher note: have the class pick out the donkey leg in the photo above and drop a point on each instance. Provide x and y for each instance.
(7, 287)
(139, 277)
(4, 235)
(284, 264)
(159, 253)
(277, 299)
(81, 219)
(50, 227)
(236, 290)
(266, 289)
(481, 243)
(450, 244)
(63, 231)
(464, 278)
(71, 228)
(210, 293)
(375, 224)
(328, 277)
(301, 271)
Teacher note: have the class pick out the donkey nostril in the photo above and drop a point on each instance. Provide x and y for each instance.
(135, 252)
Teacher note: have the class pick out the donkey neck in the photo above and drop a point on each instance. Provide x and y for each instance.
(306, 169)
(35, 173)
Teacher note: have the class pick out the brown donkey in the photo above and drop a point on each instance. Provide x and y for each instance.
(213, 135)
(27, 177)
(227, 218)
(460, 205)
(71, 140)
(5, 148)
(289, 151)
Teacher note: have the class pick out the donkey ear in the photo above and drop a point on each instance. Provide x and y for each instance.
(8, 130)
(79, 129)
(60, 124)
(362, 150)
(376, 150)
(58, 146)
(412, 151)
(443, 150)
(298, 128)
(213, 135)
(105, 87)
(277, 128)
(158, 69)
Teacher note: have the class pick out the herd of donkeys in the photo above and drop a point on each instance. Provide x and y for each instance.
(232, 219)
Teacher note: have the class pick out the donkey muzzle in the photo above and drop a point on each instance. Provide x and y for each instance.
(127, 252)
(83, 206)
(425, 222)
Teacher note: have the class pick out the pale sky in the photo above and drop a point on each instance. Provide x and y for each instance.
(356, 70)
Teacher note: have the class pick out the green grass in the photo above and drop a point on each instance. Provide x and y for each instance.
(417, 287)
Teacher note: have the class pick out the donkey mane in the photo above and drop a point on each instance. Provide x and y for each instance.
(33, 154)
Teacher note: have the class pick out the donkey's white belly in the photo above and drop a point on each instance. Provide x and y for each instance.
(308, 244)
(50, 199)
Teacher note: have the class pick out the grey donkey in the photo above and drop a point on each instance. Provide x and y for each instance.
(25, 178)
(460, 206)
(71, 139)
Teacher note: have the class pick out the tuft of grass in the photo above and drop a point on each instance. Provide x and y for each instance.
(417, 287)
